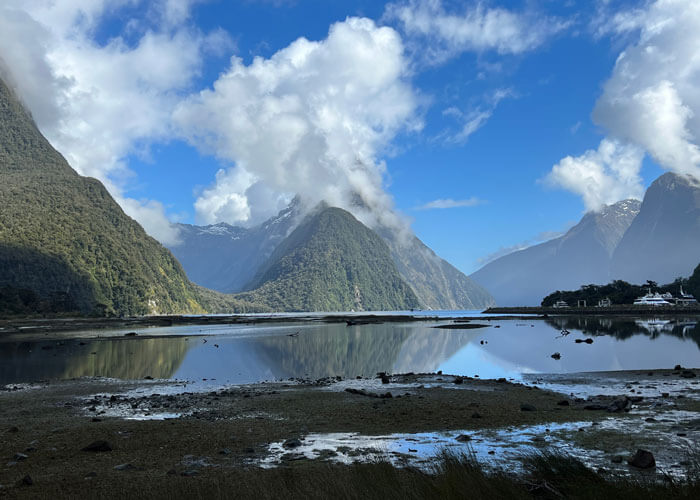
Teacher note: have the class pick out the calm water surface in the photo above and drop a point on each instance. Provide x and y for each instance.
(244, 354)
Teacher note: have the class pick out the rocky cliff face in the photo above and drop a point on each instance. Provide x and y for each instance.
(663, 241)
(224, 257)
(581, 256)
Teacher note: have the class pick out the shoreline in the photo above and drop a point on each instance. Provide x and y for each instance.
(31, 325)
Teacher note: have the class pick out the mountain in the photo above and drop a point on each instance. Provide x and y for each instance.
(436, 283)
(330, 262)
(224, 257)
(663, 241)
(65, 244)
(581, 256)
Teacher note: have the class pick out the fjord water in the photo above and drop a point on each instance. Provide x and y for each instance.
(239, 354)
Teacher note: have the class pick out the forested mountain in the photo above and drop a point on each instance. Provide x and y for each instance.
(663, 241)
(579, 257)
(330, 262)
(224, 257)
(65, 244)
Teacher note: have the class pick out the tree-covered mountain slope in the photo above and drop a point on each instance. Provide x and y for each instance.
(65, 244)
(330, 262)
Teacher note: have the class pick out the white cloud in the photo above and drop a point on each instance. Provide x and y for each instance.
(440, 34)
(649, 104)
(602, 176)
(450, 203)
(472, 120)
(652, 97)
(99, 103)
(310, 120)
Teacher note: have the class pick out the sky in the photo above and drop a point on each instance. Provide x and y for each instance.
(484, 126)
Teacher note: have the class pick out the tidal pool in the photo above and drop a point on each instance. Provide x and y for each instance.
(241, 354)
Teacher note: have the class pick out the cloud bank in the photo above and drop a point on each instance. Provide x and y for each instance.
(310, 120)
(97, 104)
(651, 101)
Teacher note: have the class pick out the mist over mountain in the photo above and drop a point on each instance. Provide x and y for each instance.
(663, 241)
(581, 256)
(330, 262)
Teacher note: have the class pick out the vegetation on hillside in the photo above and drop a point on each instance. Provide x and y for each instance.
(65, 244)
(331, 262)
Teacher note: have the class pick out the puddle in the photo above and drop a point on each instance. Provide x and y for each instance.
(585, 385)
(504, 448)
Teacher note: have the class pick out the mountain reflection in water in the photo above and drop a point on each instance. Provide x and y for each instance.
(254, 353)
(116, 358)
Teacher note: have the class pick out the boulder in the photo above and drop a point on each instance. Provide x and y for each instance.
(643, 459)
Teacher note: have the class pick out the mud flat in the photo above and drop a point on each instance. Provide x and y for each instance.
(152, 438)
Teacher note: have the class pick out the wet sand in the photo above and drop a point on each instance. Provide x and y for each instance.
(46, 426)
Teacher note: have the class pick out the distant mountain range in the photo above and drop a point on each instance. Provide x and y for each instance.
(236, 259)
(657, 239)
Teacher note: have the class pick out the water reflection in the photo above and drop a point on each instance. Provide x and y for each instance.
(31, 361)
(507, 348)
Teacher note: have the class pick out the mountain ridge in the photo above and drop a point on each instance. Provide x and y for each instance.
(580, 256)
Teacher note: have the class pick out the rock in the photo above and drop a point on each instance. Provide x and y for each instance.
(650, 420)
(563, 402)
(25, 481)
(617, 459)
(463, 438)
(476, 415)
(688, 374)
(225, 451)
(556, 355)
(595, 406)
(527, 407)
(130, 334)
(385, 378)
(98, 446)
(386, 395)
(588, 341)
(458, 380)
(619, 405)
(291, 443)
(20, 456)
(643, 459)
(124, 467)
(678, 367)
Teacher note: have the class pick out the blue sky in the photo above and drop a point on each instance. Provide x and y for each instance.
(488, 126)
